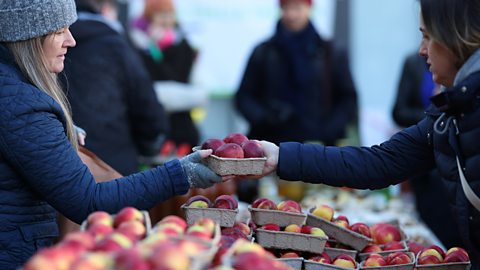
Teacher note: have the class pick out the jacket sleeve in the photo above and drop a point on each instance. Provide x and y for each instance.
(34, 144)
(149, 122)
(405, 112)
(405, 154)
(344, 96)
(247, 97)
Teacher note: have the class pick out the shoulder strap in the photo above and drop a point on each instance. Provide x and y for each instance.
(469, 193)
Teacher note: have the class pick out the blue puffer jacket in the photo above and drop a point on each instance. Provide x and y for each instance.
(414, 150)
(40, 172)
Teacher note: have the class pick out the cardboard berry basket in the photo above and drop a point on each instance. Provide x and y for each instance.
(363, 256)
(312, 265)
(146, 219)
(223, 217)
(234, 166)
(281, 218)
(289, 240)
(340, 234)
(408, 266)
(444, 266)
(294, 263)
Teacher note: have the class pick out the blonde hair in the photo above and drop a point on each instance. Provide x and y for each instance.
(34, 68)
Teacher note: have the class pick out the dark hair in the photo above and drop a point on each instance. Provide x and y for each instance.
(453, 23)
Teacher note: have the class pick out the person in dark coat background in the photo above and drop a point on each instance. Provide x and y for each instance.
(413, 97)
(296, 85)
(110, 91)
(168, 56)
(40, 169)
(446, 139)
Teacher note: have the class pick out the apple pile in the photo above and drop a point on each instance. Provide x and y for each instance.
(235, 145)
(436, 255)
(203, 228)
(221, 202)
(390, 246)
(342, 260)
(395, 258)
(287, 205)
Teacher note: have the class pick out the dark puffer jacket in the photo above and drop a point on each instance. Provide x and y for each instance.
(315, 110)
(40, 172)
(414, 150)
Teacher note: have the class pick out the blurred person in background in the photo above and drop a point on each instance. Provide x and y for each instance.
(110, 91)
(40, 169)
(415, 88)
(297, 86)
(445, 139)
(169, 58)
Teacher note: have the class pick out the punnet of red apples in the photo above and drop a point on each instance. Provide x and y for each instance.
(234, 155)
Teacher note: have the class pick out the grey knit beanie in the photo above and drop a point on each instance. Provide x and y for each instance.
(26, 19)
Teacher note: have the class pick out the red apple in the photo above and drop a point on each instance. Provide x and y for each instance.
(130, 259)
(453, 249)
(198, 201)
(393, 245)
(374, 260)
(230, 150)
(252, 149)
(415, 247)
(322, 258)
(169, 256)
(234, 232)
(433, 252)
(289, 206)
(361, 228)
(397, 258)
(99, 230)
(456, 256)
(244, 228)
(225, 202)
(437, 248)
(180, 222)
(236, 138)
(383, 233)
(127, 214)
(264, 203)
(271, 227)
(372, 248)
(134, 229)
(428, 259)
(294, 228)
(100, 217)
(289, 254)
(341, 223)
(212, 144)
(323, 211)
(113, 242)
(345, 261)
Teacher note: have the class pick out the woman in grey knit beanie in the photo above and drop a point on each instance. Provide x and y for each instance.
(40, 170)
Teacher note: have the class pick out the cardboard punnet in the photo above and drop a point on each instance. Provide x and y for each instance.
(294, 263)
(408, 266)
(281, 218)
(444, 266)
(223, 217)
(289, 240)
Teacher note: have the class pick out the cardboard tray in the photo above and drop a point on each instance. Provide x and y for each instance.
(311, 265)
(281, 218)
(444, 266)
(363, 256)
(234, 166)
(334, 252)
(408, 266)
(294, 263)
(288, 240)
(146, 218)
(223, 217)
(340, 234)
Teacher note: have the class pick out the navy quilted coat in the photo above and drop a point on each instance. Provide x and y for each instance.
(414, 150)
(40, 172)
